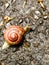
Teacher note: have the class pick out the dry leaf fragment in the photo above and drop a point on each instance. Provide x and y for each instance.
(26, 44)
(42, 5)
(25, 2)
(7, 18)
(1, 23)
(2, 63)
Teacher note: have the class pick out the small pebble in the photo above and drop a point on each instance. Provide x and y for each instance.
(37, 13)
(36, 45)
(36, 17)
(32, 63)
(1, 23)
(7, 5)
(7, 25)
(21, 11)
(33, 8)
(46, 58)
(29, 10)
(45, 17)
(12, 63)
(20, 21)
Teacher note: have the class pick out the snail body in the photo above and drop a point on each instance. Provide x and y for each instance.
(13, 35)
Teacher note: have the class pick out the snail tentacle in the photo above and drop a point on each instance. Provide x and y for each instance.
(5, 45)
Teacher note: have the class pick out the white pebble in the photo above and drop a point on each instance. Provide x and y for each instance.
(45, 17)
(36, 17)
(28, 11)
(33, 8)
(37, 13)
(7, 25)
(6, 5)
(1, 23)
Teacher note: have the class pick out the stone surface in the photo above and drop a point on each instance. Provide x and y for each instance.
(37, 53)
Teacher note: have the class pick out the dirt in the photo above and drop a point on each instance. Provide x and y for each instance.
(34, 48)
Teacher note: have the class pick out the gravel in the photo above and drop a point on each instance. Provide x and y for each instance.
(36, 50)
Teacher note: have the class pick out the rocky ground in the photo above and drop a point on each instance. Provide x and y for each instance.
(34, 48)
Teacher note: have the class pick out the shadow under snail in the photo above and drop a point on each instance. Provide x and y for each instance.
(13, 35)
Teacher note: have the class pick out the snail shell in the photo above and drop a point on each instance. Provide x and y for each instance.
(13, 35)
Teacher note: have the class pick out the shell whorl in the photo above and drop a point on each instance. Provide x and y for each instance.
(13, 35)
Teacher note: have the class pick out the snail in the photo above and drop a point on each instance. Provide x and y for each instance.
(13, 35)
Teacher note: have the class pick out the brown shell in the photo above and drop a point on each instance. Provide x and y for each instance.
(13, 35)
